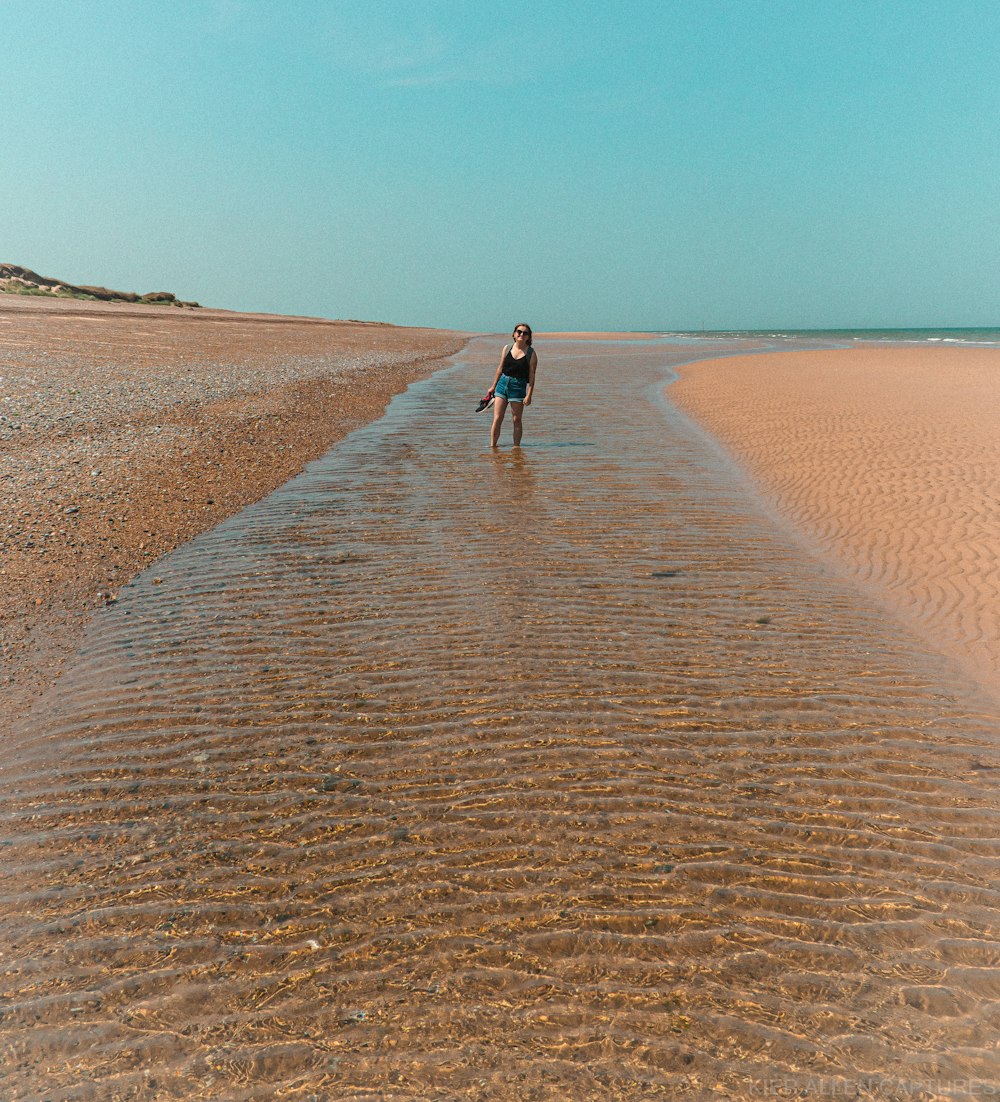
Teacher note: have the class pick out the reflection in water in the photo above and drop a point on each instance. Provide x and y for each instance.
(555, 772)
(513, 475)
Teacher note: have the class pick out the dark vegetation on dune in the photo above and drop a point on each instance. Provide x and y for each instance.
(15, 280)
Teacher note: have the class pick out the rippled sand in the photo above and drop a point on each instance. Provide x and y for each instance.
(559, 773)
(887, 459)
(126, 430)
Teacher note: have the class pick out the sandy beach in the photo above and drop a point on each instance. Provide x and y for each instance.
(127, 430)
(885, 460)
(561, 772)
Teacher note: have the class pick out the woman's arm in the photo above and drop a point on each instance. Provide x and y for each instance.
(532, 364)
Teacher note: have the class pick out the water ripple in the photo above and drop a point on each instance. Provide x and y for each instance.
(551, 773)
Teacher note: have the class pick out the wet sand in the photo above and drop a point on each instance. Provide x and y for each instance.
(551, 773)
(594, 336)
(886, 460)
(127, 430)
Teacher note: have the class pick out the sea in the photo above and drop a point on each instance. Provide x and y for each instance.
(977, 336)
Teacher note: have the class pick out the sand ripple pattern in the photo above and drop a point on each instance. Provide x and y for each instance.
(551, 774)
(888, 460)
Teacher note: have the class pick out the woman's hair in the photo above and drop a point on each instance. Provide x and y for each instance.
(525, 325)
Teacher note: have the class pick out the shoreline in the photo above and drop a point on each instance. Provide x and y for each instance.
(882, 460)
(126, 431)
(710, 775)
(107, 479)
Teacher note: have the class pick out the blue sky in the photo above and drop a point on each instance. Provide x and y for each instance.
(580, 165)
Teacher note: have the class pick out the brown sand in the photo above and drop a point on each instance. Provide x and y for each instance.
(886, 458)
(336, 811)
(127, 430)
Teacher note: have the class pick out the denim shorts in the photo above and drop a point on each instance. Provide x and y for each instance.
(512, 389)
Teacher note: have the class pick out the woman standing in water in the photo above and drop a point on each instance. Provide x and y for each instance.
(514, 382)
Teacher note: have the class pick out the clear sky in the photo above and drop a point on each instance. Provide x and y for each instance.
(579, 164)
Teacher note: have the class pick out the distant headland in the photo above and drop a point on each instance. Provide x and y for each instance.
(15, 280)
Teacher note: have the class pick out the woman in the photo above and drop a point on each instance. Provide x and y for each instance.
(514, 382)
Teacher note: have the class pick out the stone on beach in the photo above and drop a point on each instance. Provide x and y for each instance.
(126, 430)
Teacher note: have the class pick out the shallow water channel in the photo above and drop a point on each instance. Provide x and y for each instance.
(551, 773)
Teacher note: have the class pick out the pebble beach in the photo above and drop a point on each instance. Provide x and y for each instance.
(125, 430)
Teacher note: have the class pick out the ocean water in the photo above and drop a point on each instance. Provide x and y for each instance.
(988, 337)
(550, 773)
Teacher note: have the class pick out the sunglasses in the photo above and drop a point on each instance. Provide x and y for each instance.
(521, 332)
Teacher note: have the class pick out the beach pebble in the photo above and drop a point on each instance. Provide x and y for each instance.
(153, 428)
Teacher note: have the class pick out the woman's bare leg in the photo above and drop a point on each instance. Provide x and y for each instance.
(516, 409)
(499, 409)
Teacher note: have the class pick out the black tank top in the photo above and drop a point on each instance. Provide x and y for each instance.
(516, 369)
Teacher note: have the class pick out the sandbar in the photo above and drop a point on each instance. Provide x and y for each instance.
(884, 459)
